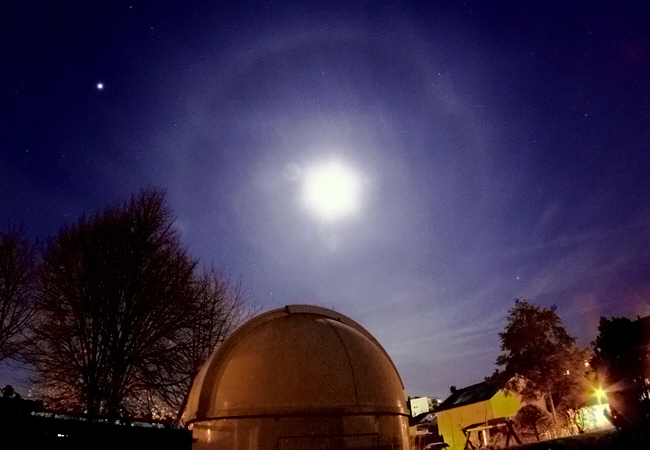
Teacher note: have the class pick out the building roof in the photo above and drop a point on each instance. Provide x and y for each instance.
(472, 394)
(296, 360)
(427, 418)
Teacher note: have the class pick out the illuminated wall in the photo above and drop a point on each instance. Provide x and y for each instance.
(452, 421)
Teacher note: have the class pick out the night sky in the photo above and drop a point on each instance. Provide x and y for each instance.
(501, 150)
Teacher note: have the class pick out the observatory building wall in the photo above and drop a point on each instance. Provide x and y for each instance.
(300, 377)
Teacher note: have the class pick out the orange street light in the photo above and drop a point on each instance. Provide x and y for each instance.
(600, 393)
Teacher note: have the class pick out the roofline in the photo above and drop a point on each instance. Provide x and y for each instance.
(443, 407)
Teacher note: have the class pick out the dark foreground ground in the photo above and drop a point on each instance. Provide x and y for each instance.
(598, 440)
(24, 425)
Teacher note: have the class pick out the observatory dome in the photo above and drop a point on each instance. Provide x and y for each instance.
(300, 372)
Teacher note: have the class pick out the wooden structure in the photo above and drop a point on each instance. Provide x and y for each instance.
(481, 429)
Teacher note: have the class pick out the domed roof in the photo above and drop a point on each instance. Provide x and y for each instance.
(296, 360)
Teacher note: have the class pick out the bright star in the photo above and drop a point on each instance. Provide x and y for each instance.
(100, 86)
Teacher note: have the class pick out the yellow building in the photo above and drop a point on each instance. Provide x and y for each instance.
(478, 413)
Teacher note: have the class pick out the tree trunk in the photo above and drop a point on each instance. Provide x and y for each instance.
(181, 410)
(550, 399)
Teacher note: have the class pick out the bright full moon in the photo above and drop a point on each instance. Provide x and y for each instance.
(332, 191)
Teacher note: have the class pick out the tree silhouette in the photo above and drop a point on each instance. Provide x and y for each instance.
(220, 306)
(621, 357)
(535, 345)
(17, 288)
(533, 421)
(117, 311)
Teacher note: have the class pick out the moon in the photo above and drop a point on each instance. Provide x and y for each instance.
(332, 190)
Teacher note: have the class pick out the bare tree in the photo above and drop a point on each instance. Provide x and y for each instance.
(115, 302)
(17, 265)
(221, 305)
